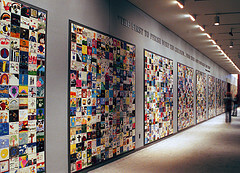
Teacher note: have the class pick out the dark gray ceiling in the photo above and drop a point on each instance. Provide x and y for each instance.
(170, 15)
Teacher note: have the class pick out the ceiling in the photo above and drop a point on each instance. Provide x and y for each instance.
(168, 13)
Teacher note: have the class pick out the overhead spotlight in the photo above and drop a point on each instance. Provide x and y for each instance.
(180, 3)
(209, 35)
(231, 33)
(192, 17)
(216, 20)
(214, 42)
(202, 28)
(231, 44)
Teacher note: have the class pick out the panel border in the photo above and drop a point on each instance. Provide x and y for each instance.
(45, 78)
(196, 96)
(92, 167)
(178, 97)
(147, 50)
(209, 75)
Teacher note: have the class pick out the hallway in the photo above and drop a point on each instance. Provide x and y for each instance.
(212, 146)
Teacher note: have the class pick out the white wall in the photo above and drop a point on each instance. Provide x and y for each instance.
(135, 15)
(103, 16)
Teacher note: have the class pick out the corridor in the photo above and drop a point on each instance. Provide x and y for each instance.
(212, 146)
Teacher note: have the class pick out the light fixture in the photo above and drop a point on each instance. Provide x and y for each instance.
(229, 59)
(202, 28)
(192, 17)
(216, 20)
(231, 33)
(180, 3)
(232, 63)
(231, 44)
(209, 35)
(214, 42)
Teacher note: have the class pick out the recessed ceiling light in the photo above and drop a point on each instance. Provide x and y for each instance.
(180, 5)
(231, 44)
(202, 28)
(214, 42)
(193, 18)
(216, 20)
(208, 35)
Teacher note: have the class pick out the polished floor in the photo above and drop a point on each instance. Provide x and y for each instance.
(212, 146)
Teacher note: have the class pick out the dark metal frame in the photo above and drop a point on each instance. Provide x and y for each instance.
(198, 71)
(45, 95)
(214, 94)
(146, 50)
(222, 97)
(217, 79)
(178, 98)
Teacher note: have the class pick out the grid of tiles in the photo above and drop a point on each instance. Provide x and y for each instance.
(218, 96)
(201, 97)
(185, 97)
(22, 87)
(158, 97)
(102, 97)
(211, 96)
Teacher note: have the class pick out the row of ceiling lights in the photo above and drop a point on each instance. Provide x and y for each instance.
(216, 23)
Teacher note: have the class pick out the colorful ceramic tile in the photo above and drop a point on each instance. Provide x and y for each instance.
(4, 166)
(4, 154)
(4, 141)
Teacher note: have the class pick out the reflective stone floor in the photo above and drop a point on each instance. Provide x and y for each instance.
(212, 146)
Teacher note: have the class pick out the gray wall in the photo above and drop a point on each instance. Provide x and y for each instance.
(103, 16)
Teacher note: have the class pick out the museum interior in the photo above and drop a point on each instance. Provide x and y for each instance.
(119, 86)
